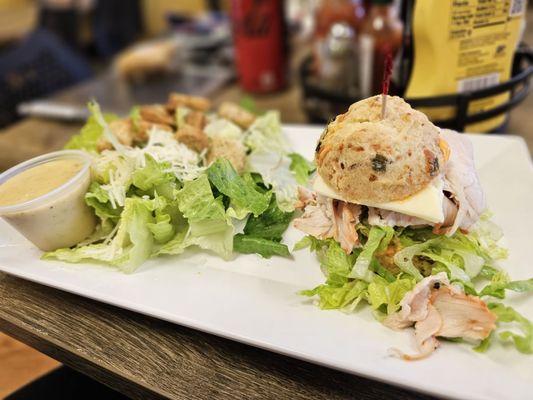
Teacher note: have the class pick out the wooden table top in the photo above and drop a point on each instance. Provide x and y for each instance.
(147, 358)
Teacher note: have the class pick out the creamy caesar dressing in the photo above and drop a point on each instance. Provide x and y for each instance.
(38, 181)
(45, 201)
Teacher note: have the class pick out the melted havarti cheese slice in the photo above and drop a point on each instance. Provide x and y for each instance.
(425, 204)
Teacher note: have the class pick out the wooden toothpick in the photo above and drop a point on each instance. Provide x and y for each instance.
(387, 72)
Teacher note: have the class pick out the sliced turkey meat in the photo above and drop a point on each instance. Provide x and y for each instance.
(317, 219)
(380, 217)
(436, 308)
(463, 316)
(326, 218)
(346, 216)
(305, 197)
(462, 183)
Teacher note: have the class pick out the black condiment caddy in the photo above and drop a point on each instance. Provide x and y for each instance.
(322, 104)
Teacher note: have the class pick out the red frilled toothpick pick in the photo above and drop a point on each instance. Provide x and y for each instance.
(387, 72)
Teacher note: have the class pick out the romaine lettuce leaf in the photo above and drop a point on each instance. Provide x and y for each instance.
(154, 177)
(176, 245)
(241, 192)
(89, 134)
(131, 246)
(237, 212)
(265, 135)
(312, 242)
(223, 128)
(197, 203)
(267, 248)
(274, 167)
(166, 220)
(269, 158)
(98, 199)
(209, 226)
(263, 234)
(212, 234)
(271, 224)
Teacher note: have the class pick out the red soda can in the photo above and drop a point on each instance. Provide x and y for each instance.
(259, 33)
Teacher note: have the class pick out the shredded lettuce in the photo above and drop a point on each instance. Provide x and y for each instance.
(520, 333)
(388, 295)
(392, 260)
(343, 292)
(336, 263)
(345, 297)
(487, 234)
(464, 256)
(362, 263)
(301, 168)
(500, 282)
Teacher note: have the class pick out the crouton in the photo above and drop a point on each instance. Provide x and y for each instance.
(122, 129)
(196, 119)
(157, 114)
(230, 149)
(176, 100)
(236, 114)
(194, 138)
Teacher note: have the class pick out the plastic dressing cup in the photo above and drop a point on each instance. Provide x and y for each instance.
(58, 217)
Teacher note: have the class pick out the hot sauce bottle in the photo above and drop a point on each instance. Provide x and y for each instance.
(380, 35)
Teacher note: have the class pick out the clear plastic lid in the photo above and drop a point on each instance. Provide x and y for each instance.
(53, 194)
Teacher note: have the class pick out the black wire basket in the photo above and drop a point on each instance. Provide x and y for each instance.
(321, 104)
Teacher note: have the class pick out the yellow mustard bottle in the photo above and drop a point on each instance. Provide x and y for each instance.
(462, 46)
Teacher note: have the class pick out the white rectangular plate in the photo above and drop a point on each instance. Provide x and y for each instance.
(255, 301)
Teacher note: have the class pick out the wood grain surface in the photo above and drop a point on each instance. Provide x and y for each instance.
(146, 358)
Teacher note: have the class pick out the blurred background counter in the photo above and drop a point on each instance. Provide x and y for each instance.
(308, 59)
